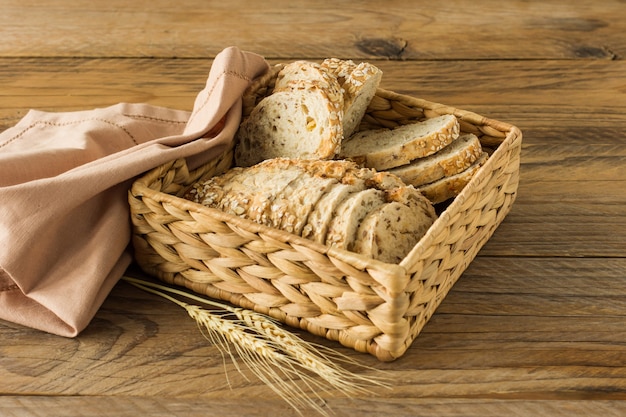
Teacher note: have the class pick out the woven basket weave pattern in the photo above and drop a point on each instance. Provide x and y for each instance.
(364, 304)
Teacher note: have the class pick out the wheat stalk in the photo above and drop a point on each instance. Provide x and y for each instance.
(277, 357)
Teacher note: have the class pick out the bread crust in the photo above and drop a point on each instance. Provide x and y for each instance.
(383, 149)
(452, 159)
(389, 232)
(449, 187)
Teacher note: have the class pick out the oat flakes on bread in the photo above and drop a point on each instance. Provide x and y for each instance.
(359, 82)
(454, 158)
(383, 149)
(302, 72)
(449, 187)
(312, 186)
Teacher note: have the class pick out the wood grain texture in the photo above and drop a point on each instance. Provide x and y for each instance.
(511, 326)
(399, 30)
(127, 406)
(535, 325)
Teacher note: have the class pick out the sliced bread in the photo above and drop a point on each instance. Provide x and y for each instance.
(389, 232)
(301, 122)
(326, 209)
(389, 148)
(454, 158)
(449, 187)
(359, 83)
(343, 226)
(295, 206)
(324, 201)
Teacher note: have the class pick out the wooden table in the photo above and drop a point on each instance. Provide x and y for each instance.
(537, 323)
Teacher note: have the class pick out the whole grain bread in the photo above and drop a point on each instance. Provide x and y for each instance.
(324, 201)
(383, 149)
(302, 121)
(325, 210)
(449, 187)
(359, 83)
(452, 159)
(389, 232)
(345, 222)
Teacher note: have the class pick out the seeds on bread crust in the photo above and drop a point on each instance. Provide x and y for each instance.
(389, 148)
(449, 187)
(454, 158)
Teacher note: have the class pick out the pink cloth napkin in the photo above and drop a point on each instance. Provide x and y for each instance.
(64, 177)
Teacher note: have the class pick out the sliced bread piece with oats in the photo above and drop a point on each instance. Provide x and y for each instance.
(449, 187)
(383, 149)
(324, 201)
(454, 158)
(326, 209)
(390, 231)
(298, 123)
(359, 82)
(343, 227)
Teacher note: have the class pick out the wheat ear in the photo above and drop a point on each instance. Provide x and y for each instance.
(277, 357)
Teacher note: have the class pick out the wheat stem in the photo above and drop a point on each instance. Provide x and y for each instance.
(277, 357)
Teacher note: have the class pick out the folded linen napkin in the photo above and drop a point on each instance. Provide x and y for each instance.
(64, 216)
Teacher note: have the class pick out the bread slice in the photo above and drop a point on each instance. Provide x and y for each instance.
(343, 227)
(326, 209)
(359, 83)
(297, 73)
(389, 232)
(449, 187)
(295, 206)
(302, 122)
(454, 158)
(389, 148)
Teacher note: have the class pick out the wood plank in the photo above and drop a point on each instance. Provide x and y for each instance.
(498, 89)
(571, 164)
(401, 30)
(128, 406)
(521, 327)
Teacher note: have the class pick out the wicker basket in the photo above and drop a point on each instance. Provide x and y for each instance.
(364, 304)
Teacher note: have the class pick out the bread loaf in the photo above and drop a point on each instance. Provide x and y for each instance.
(454, 158)
(383, 149)
(324, 201)
(310, 110)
